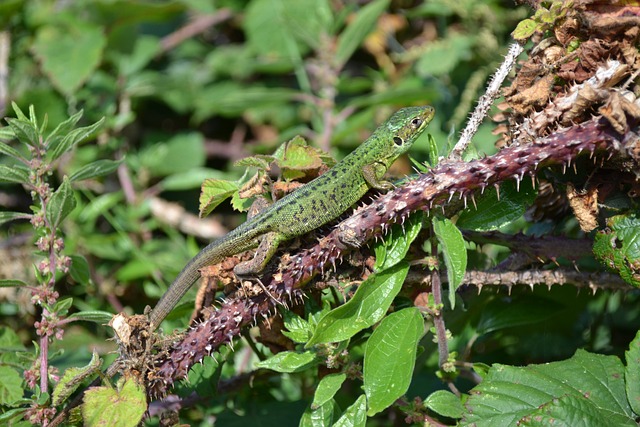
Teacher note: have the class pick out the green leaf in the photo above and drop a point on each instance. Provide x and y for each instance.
(355, 415)
(203, 377)
(8, 150)
(587, 387)
(445, 403)
(618, 247)
(121, 407)
(11, 216)
(73, 378)
(524, 29)
(283, 28)
(494, 212)
(60, 132)
(69, 55)
(214, 192)
(71, 139)
(454, 253)
(390, 357)
(95, 169)
(95, 316)
(289, 361)
(498, 314)
(24, 130)
(10, 386)
(298, 158)
(368, 305)
(355, 33)
(61, 203)
(444, 55)
(79, 269)
(10, 283)
(397, 242)
(322, 416)
(180, 153)
(298, 329)
(14, 174)
(326, 389)
(432, 149)
(62, 306)
(632, 373)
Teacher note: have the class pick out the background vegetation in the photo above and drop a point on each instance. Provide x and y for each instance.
(163, 95)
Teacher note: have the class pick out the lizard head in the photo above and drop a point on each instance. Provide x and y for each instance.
(402, 129)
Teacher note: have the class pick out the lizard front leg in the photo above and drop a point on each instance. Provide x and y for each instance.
(268, 246)
(373, 173)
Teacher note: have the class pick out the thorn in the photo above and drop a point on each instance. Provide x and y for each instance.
(497, 187)
(564, 169)
(473, 199)
(533, 181)
(509, 287)
(575, 169)
(442, 207)
(451, 193)
(479, 289)
(517, 184)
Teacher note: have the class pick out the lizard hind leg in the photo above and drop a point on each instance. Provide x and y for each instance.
(268, 246)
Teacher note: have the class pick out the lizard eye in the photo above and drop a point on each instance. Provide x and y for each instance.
(416, 122)
(397, 140)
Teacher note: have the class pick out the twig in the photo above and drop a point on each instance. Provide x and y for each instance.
(193, 28)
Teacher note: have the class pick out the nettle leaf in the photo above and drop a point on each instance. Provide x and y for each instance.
(14, 174)
(71, 139)
(390, 357)
(69, 55)
(445, 403)
(298, 329)
(355, 415)
(587, 387)
(61, 203)
(355, 33)
(454, 253)
(73, 378)
(498, 314)
(368, 305)
(95, 169)
(618, 247)
(12, 283)
(10, 386)
(121, 406)
(326, 389)
(60, 132)
(214, 192)
(94, 316)
(289, 361)
(7, 150)
(79, 269)
(632, 374)
(397, 242)
(494, 212)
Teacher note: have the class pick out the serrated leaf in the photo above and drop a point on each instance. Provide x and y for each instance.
(11, 216)
(25, 131)
(14, 174)
(355, 415)
(95, 316)
(587, 386)
(121, 407)
(445, 403)
(326, 389)
(95, 169)
(10, 283)
(618, 247)
(289, 361)
(390, 357)
(397, 242)
(69, 55)
(368, 305)
(214, 192)
(632, 373)
(258, 161)
(454, 253)
(524, 29)
(71, 139)
(61, 203)
(10, 386)
(494, 212)
(61, 131)
(73, 378)
(355, 33)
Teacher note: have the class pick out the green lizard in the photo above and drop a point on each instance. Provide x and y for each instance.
(307, 208)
